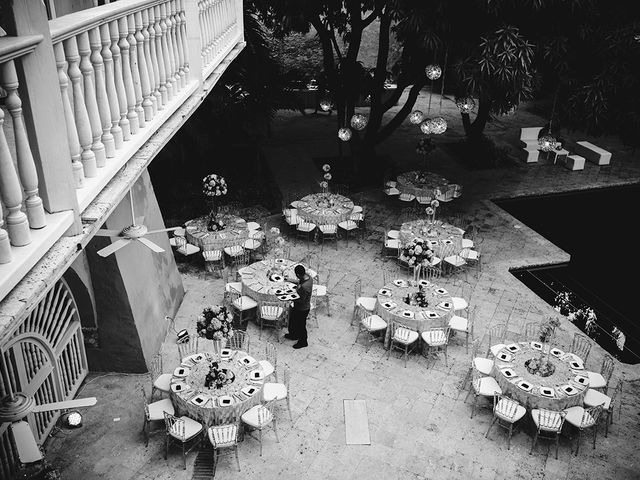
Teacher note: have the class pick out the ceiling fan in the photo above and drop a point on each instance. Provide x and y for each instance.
(15, 407)
(134, 232)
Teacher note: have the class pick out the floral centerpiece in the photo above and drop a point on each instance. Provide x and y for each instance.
(416, 253)
(431, 210)
(541, 365)
(213, 186)
(215, 323)
(216, 223)
(218, 377)
(418, 298)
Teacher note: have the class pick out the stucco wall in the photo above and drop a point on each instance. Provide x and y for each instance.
(135, 288)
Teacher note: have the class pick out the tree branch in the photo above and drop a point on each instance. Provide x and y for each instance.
(395, 122)
(376, 12)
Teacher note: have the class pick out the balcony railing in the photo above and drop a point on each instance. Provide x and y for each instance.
(121, 70)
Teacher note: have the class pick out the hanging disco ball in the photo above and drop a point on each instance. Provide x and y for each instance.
(416, 117)
(344, 134)
(438, 125)
(433, 71)
(465, 104)
(325, 105)
(359, 121)
(425, 126)
(546, 143)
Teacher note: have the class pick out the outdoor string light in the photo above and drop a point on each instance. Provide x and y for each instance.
(465, 104)
(359, 121)
(344, 134)
(433, 71)
(416, 117)
(438, 125)
(325, 105)
(425, 126)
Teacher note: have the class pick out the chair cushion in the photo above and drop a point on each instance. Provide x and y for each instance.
(253, 226)
(319, 290)
(596, 380)
(405, 336)
(593, 398)
(575, 416)
(244, 303)
(188, 249)
(274, 391)
(292, 219)
(423, 200)
(455, 260)
(469, 254)
(504, 408)
(459, 303)
(234, 250)
(407, 197)
(328, 229)
(237, 286)
(495, 349)
(391, 191)
(374, 323)
(348, 225)
(212, 255)
(357, 216)
(267, 367)
(191, 429)
(395, 234)
(390, 183)
(306, 227)
(483, 365)
(392, 243)
(357, 209)
(157, 409)
(460, 324)
(163, 382)
(250, 417)
(434, 338)
(554, 425)
(368, 303)
(486, 386)
(467, 243)
(271, 312)
(223, 435)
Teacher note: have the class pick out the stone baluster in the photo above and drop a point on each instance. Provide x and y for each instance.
(170, 59)
(203, 31)
(135, 69)
(5, 245)
(208, 12)
(110, 86)
(88, 81)
(11, 193)
(151, 69)
(175, 40)
(183, 52)
(135, 23)
(101, 92)
(26, 165)
(72, 131)
(166, 88)
(83, 126)
(118, 77)
(217, 27)
(129, 90)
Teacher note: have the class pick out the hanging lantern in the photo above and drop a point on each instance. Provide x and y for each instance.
(438, 125)
(416, 117)
(326, 167)
(425, 126)
(359, 121)
(433, 71)
(546, 143)
(465, 104)
(325, 105)
(344, 134)
(327, 176)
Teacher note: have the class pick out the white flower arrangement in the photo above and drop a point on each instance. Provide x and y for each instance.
(214, 185)
(215, 323)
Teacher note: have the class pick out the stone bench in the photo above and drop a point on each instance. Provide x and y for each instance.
(528, 155)
(574, 162)
(529, 137)
(593, 153)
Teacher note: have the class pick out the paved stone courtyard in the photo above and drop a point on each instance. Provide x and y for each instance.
(419, 421)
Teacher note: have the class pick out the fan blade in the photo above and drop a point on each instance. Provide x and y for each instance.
(164, 230)
(150, 244)
(104, 232)
(25, 442)
(140, 220)
(78, 402)
(117, 245)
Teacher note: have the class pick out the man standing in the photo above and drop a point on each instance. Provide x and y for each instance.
(301, 307)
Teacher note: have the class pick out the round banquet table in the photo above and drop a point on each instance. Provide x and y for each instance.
(564, 388)
(421, 183)
(391, 306)
(234, 233)
(214, 406)
(325, 208)
(269, 280)
(437, 234)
